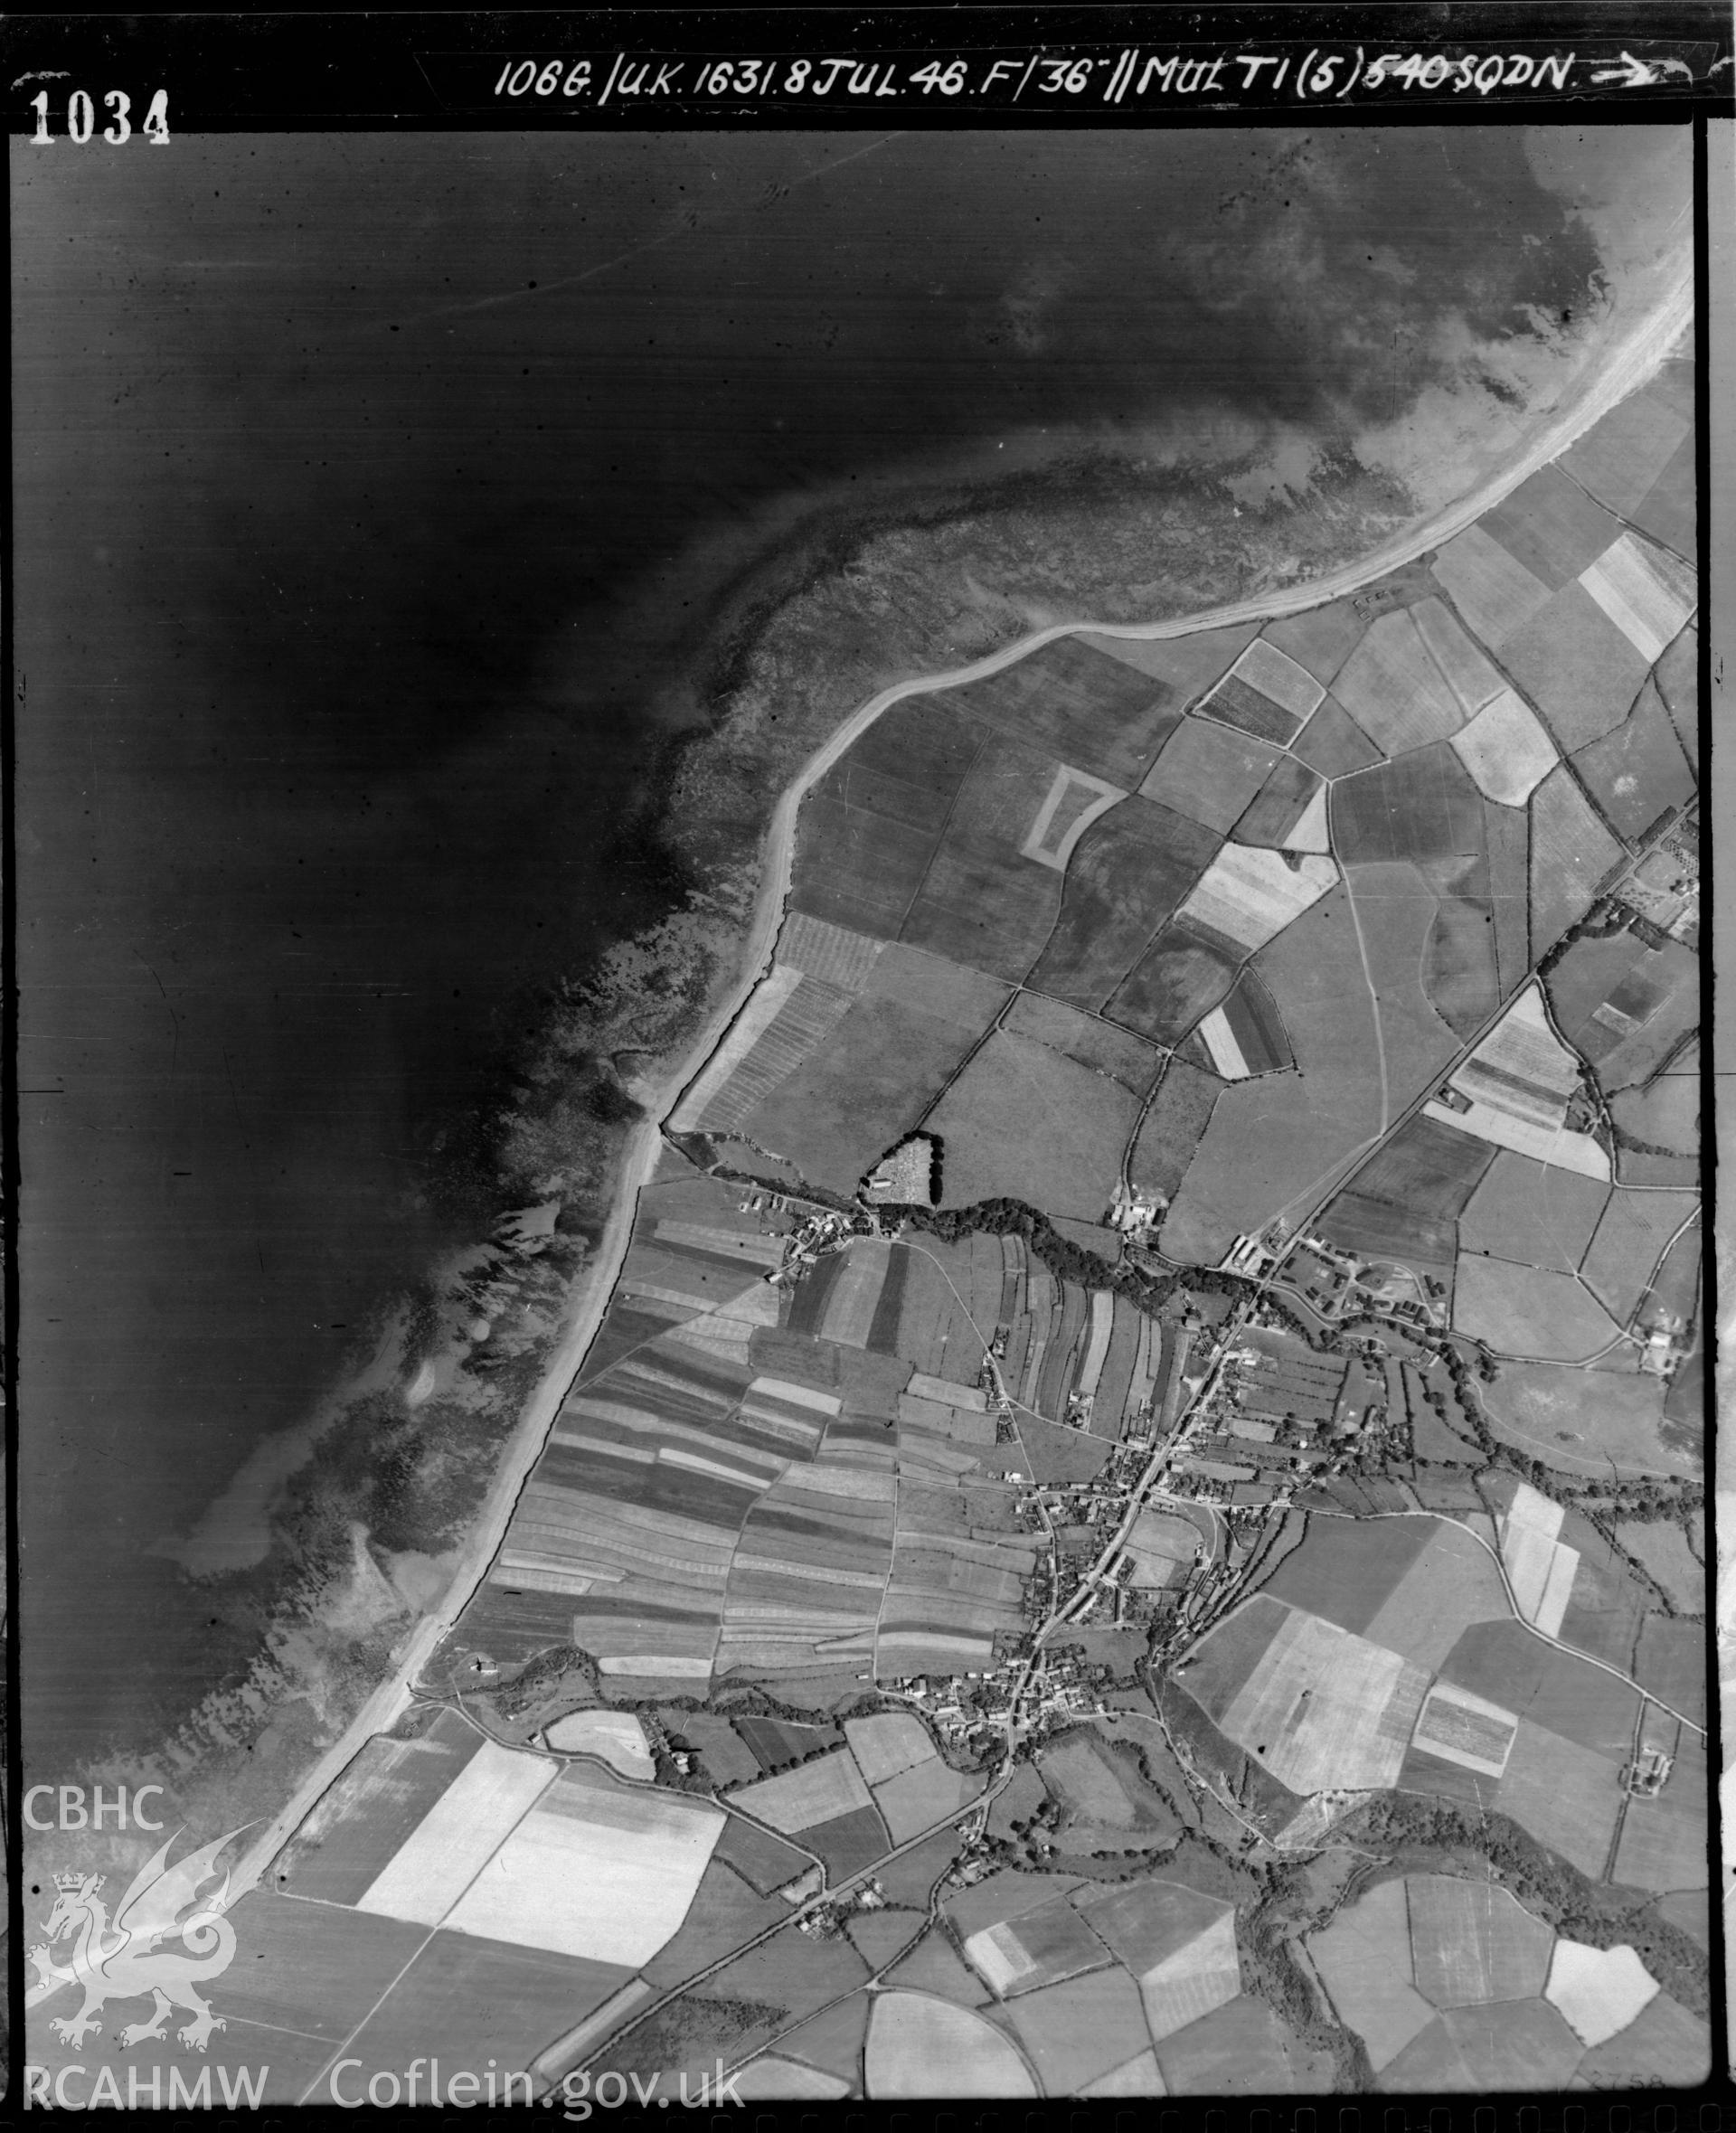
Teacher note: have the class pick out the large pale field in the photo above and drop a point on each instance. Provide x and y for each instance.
(1324, 1707)
(604, 1874)
(458, 1834)
(1599, 1990)
(1585, 1420)
(923, 2047)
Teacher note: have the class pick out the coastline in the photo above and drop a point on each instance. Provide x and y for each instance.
(1638, 356)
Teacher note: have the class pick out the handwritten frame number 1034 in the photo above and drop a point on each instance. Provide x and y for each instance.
(81, 118)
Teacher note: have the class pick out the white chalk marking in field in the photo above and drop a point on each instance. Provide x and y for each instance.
(1099, 797)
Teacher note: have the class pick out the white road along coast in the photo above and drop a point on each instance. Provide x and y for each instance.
(1622, 373)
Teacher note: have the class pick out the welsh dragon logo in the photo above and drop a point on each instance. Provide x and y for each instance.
(146, 1947)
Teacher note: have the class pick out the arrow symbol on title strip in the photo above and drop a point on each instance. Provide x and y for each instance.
(1634, 73)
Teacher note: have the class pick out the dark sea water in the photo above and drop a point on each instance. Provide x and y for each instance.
(341, 464)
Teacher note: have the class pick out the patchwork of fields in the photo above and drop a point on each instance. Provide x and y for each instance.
(1222, 945)
(1282, 880)
(1046, 1985)
(931, 1649)
(1508, 1661)
(805, 1483)
(1241, 932)
(1453, 1985)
